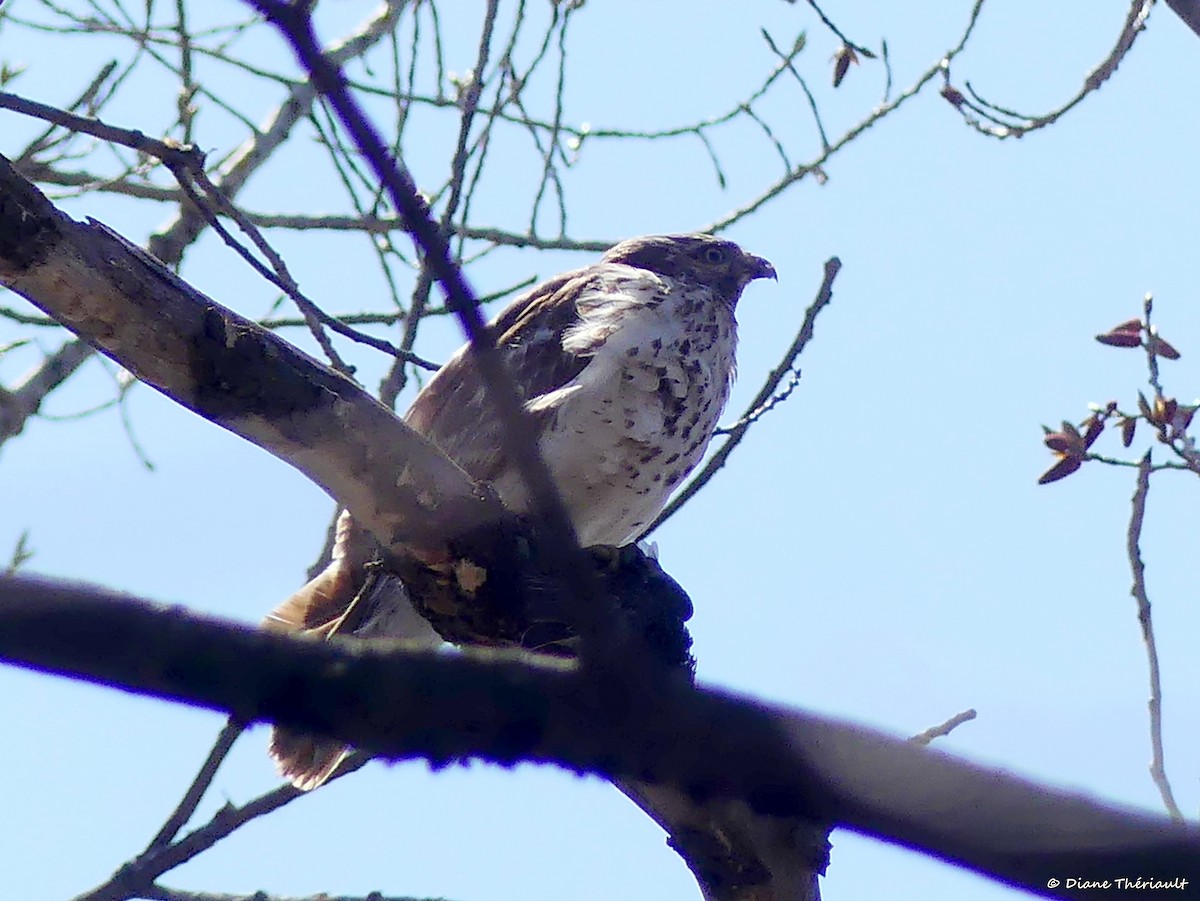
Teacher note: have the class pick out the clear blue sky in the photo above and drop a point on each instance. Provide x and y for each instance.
(877, 549)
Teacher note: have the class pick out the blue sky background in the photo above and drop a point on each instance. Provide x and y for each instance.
(878, 548)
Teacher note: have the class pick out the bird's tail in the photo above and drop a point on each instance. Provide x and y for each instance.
(343, 599)
(319, 608)
(303, 760)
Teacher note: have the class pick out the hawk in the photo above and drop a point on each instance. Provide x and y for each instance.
(624, 366)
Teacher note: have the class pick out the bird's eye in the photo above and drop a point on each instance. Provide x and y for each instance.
(715, 255)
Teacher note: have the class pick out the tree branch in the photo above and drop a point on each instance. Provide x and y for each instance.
(234, 373)
(1188, 11)
(1137, 514)
(507, 708)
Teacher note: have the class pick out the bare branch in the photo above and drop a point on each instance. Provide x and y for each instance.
(814, 166)
(135, 878)
(944, 729)
(858, 48)
(17, 405)
(191, 800)
(1137, 514)
(162, 893)
(1006, 123)
(393, 382)
(1188, 11)
(169, 244)
(234, 373)
(495, 706)
(168, 152)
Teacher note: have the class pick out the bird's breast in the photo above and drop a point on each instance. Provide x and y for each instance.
(640, 415)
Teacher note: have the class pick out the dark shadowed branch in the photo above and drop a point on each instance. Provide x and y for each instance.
(1188, 11)
(162, 893)
(507, 708)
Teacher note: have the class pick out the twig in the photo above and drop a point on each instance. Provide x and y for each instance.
(17, 405)
(1150, 345)
(191, 798)
(170, 152)
(549, 170)
(85, 99)
(858, 48)
(1158, 770)
(812, 101)
(131, 879)
(814, 166)
(1117, 461)
(21, 554)
(943, 729)
(762, 401)
(393, 382)
(1010, 124)
(163, 893)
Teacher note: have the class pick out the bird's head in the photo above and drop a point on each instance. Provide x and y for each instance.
(700, 259)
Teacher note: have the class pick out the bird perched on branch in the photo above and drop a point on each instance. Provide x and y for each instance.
(624, 367)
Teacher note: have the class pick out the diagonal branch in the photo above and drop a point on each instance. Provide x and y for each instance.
(506, 708)
(1188, 11)
(234, 373)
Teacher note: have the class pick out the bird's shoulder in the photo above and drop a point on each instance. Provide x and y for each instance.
(601, 292)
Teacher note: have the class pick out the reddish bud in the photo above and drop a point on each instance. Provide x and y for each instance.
(953, 96)
(1117, 338)
(1060, 470)
(841, 63)
(1094, 427)
(1183, 417)
(1128, 427)
(1144, 406)
(1161, 348)
(1058, 442)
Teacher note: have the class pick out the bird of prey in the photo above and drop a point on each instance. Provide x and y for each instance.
(624, 366)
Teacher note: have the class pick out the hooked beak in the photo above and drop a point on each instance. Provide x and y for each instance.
(757, 267)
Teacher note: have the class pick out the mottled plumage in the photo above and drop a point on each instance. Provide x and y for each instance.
(625, 366)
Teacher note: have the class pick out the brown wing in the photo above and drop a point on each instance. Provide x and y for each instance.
(453, 410)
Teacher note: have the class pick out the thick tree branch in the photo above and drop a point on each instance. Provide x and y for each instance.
(234, 373)
(506, 709)
(1188, 11)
